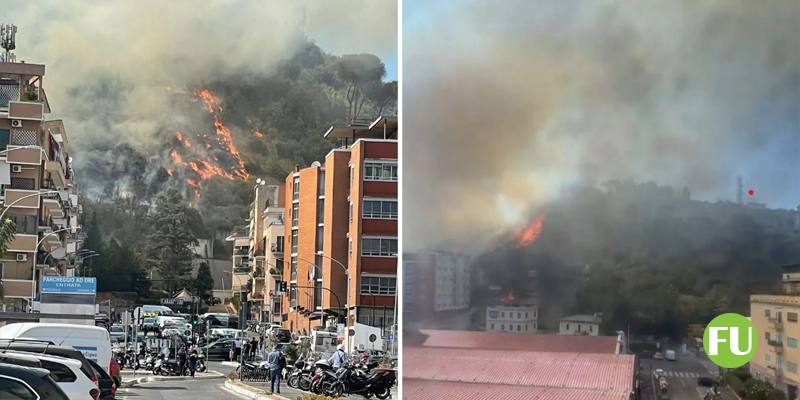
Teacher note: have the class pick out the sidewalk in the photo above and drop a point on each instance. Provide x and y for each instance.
(251, 392)
(128, 379)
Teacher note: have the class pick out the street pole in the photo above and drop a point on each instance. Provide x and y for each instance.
(347, 298)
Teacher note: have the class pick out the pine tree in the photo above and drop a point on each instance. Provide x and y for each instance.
(169, 246)
(204, 283)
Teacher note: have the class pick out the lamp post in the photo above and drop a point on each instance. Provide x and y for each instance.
(347, 294)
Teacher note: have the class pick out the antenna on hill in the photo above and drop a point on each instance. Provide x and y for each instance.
(8, 41)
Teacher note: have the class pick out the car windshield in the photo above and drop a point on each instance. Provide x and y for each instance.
(116, 329)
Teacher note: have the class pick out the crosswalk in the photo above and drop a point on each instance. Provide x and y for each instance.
(681, 374)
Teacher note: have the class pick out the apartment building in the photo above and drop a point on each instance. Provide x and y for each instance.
(265, 252)
(512, 318)
(580, 325)
(775, 319)
(342, 234)
(36, 187)
(440, 284)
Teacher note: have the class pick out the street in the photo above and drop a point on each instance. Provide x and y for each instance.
(681, 376)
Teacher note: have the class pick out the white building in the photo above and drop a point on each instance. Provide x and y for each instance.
(580, 325)
(452, 283)
(512, 318)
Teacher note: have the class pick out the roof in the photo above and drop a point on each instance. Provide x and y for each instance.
(513, 341)
(591, 319)
(601, 372)
(22, 68)
(384, 127)
(434, 390)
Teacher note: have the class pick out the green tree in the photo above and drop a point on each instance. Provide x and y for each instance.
(169, 246)
(204, 282)
(7, 232)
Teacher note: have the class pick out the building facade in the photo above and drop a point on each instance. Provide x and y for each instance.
(580, 325)
(342, 231)
(512, 318)
(37, 188)
(775, 319)
(437, 287)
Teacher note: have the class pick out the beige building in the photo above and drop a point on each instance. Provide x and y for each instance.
(36, 187)
(580, 325)
(775, 319)
(512, 318)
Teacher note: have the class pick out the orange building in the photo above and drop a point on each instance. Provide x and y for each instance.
(344, 214)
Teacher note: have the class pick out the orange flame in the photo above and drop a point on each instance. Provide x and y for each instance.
(169, 172)
(183, 139)
(212, 103)
(259, 134)
(508, 298)
(226, 141)
(531, 233)
(176, 158)
(192, 182)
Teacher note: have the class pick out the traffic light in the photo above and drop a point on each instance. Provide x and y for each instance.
(283, 286)
(195, 319)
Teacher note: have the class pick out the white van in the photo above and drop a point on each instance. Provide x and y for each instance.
(669, 355)
(94, 342)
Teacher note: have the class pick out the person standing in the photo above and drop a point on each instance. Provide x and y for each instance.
(193, 360)
(274, 361)
(337, 358)
(253, 348)
(246, 351)
(182, 361)
(237, 348)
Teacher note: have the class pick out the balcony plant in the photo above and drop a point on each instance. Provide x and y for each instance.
(31, 95)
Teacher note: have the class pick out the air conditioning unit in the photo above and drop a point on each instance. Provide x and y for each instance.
(16, 168)
(22, 257)
(16, 123)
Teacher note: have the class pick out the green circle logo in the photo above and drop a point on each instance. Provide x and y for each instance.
(730, 340)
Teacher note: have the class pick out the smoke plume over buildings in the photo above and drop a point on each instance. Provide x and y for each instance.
(507, 105)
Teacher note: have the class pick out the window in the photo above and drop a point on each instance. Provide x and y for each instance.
(349, 248)
(382, 247)
(279, 244)
(567, 327)
(791, 316)
(379, 285)
(502, 327)
(350, 213)
(380, 209)
(318, 261)
(295, 214)
(791, 367)
(791, 342)
(385, 171)
(766, 312)
(5, 137)
(318, 294)
(519, 328)
(59, 372)
(296, 188)
(766, 357)
(321, 183)
(294, 268)
(519, 315)
(320, 211)
(294, 241)
(766, 336)
(492, 328)
(293, 295)
(26, 224)
(16, 389)
(320, 238)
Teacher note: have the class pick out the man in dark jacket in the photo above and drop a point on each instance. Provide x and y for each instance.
(182, 361)
(192, 360)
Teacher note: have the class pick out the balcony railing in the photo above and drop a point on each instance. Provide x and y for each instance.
(777, 324)
(776, 345)
(23, 183)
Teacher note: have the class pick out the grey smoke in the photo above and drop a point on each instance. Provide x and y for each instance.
(509, 103)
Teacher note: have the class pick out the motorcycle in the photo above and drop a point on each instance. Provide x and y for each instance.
(166, 367)
(201, 363)
(324, 378)
(253, 371)
(352, 380)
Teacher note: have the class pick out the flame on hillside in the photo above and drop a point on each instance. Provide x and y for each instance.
(528, 235)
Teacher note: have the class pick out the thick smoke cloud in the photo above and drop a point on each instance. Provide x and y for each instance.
(109, 63)
(508, 104)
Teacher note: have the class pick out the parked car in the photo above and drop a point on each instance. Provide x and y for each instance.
(117, 333)
(29, 383)
(669, 355)
(658, 356)
(48, 348)
(107, 386)
(94, 342)
(66, 372)
(219, 350)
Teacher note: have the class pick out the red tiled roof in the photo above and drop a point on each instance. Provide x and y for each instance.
(418, 389)
(598, 372)
(511, 341)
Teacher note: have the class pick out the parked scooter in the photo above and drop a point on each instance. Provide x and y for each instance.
(166, 367)
(352, 380)
(324, 378)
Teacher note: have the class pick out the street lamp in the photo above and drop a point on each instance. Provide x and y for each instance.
(347, 295)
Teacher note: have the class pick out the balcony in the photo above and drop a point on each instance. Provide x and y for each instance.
(17, 288)
(241, 251)
(776, 345)
(13, 195)
(25, 156)
(776, 324)
(58, 172)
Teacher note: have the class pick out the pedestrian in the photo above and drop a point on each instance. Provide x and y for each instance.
(182, 361)
(246, 351)
(274, 361)
(237, 344)
(253, 348)
(337, 358)
(192, 360)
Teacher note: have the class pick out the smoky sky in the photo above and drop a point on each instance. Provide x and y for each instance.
(510, 102)
(108, 64)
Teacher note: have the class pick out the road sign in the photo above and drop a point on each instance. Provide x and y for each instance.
(138, 316)
(352, 332)
(373, 338)
(171, 302)
(69, 285)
